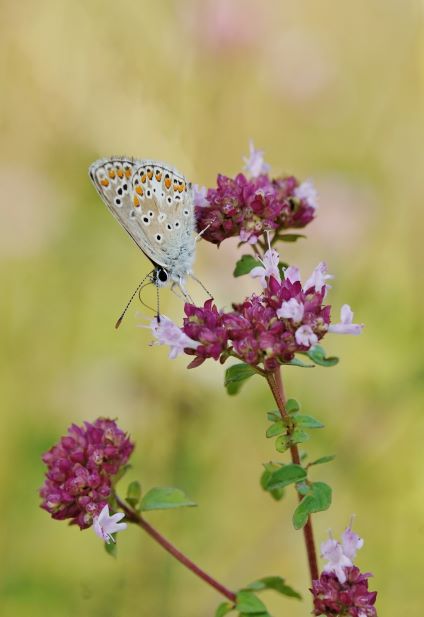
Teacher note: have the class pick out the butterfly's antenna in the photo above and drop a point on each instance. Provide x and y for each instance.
(202, 286)
(157, 305)
(139, 294)
(139, 287)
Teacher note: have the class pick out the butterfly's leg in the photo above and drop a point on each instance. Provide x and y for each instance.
(174, 288)
(202, 286)
(185, 292)
(200, 234)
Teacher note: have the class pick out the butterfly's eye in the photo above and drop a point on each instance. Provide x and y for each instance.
(162, 275)
(186, 212)
(158, 238)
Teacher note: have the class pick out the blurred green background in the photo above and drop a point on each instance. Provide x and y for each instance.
(330, 90)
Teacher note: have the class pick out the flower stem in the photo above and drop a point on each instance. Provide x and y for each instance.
(135, 517)
(276, 384)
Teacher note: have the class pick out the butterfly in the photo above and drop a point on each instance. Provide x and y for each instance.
(154, 204)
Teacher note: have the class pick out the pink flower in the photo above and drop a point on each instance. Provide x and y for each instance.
(305, 336)
(351, 542)
(270, 267)
(105, 525)
(350, 598)
(318, 278)
(168, 333)
(332, 551)
(199, 196)
(254, 163)
(292, 274)
(346, 326)
(308, 193)
(81, 469)
(292, 309)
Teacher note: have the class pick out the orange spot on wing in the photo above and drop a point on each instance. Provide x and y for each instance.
(111, 174)
(136, 201)
(143, 178)
(158, 176)
(128, 173)
(139, 190)
(150, 174)
(167, 182)
(104, 182)
(120, 173)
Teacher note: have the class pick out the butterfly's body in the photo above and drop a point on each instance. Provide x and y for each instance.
(154, 204)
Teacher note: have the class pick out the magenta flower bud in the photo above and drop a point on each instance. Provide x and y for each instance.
(351, 598)
(81, 469)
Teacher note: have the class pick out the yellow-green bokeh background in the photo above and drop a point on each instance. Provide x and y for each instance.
(330, 90)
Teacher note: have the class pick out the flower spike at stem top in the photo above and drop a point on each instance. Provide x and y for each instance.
(135, 517)
(276, 384)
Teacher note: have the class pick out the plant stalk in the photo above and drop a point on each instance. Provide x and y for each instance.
(135, 517)
(276, 384)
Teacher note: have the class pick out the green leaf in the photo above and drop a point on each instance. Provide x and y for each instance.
(164, 499)
(289, 474)
(323, 459)
(297, 362)
(276, 429)
(317, 500)
(235, 376)
(282, 443)
(111, 548)
(277, 493)
(307, 422)
(245, 264)
(290, 237)
(292, 405)
(273, 416)
(249, 604)
(277, 584)
(223, 609)
(298, 436)
(317, 354)
(133, 493)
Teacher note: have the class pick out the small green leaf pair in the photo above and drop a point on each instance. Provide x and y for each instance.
(159, 498)
(247, 602)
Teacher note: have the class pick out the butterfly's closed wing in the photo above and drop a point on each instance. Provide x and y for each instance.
(153, 203)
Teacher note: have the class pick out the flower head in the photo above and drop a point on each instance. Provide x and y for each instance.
(105, 525)
(199, 196)
(81, 469)
(167, 333)
(346, 326)
(248, 206)
(351, 598)
(254, 163)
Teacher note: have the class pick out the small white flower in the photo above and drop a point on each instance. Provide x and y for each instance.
(292, 274)
(346, 326)
(168, 333)
(351, 542)
(305, 336)
(318, 278)
(308, 193)
(254, 163)
(199, 195)
(332, 551)
(105, 525)
(292, 309)
(270, 267)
